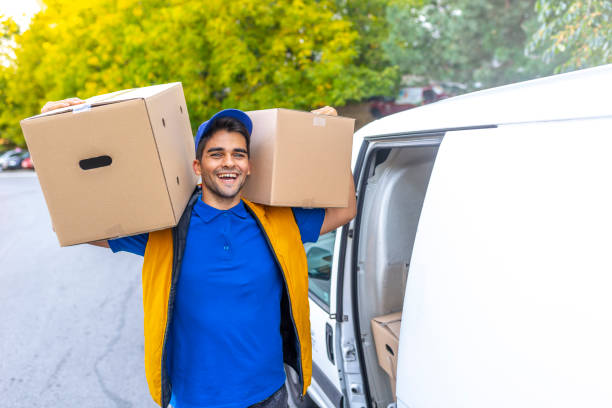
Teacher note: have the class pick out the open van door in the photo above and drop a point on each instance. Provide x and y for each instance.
(322, 278)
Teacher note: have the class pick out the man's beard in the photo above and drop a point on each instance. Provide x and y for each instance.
(213, 187)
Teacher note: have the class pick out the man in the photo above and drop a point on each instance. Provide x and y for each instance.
(225, 292)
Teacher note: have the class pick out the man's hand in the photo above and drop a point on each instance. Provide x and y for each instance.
(326, 110)
(64, 103)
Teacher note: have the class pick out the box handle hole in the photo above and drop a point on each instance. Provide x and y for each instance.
(389, 349)
(164, 122)
(181, 108)
(177, 181)
(95, 162)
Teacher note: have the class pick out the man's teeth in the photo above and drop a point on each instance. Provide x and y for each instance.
(228, 175)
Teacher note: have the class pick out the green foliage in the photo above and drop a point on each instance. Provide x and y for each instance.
(574, 34)
(474, 42)
(248, 54)
(369, 19)
(8, 28)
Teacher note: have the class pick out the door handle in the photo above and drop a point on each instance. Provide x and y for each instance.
(329, 342)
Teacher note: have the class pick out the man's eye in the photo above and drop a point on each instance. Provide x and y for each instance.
(216, 155)
(240, 155)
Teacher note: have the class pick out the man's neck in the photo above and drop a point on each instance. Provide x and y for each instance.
(218, 202)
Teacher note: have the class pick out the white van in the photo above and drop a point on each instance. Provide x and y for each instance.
(486, 220)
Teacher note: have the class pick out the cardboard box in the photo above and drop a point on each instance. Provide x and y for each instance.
(386, 331)
(119, 165)
(299, 159)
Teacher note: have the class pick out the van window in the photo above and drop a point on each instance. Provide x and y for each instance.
(320, 256)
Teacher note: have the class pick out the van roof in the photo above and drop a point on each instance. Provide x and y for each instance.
(578, 94)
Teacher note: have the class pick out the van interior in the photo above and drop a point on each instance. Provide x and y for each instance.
(394, 194)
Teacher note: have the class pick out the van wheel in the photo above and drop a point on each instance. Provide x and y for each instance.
(293, 389)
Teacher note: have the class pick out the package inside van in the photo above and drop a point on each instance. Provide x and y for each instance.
(386, 330)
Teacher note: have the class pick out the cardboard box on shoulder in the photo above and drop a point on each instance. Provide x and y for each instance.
(386, 331)
(299, 159)
(118, 165)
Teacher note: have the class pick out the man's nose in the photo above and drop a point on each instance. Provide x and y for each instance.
(228, 160)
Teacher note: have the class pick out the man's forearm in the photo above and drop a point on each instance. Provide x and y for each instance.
(336, 217)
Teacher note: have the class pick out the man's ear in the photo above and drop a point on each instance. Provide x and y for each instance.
(196, 167)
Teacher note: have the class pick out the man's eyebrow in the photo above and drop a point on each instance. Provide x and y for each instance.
(220, 149)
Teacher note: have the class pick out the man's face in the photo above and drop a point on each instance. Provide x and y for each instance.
(225, 165)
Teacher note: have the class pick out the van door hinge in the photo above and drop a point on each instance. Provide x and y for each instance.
(332, 316)
(350, 233)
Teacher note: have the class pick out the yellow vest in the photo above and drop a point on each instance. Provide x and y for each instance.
(162, 259)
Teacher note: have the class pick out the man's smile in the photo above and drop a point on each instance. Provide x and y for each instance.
(228, 177)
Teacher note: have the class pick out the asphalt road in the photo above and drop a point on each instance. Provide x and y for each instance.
(71, 324)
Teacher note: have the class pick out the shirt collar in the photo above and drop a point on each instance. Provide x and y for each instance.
(208, 213)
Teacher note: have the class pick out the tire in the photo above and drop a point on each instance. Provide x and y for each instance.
(292, 384)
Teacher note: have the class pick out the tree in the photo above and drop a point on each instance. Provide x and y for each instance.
(479, 43)
(377, 75)
(248, 54)
(8, 30)
(573, 34)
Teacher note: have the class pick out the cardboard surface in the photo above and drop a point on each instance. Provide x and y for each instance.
(144, 179)
(386, 331)
(299, 159)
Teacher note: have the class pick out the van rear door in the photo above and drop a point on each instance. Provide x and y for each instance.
(508, 299)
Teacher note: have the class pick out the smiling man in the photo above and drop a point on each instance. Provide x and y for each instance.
(225, 292)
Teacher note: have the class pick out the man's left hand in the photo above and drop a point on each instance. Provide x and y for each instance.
(326, 110)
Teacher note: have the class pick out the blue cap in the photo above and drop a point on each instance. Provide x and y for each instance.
(233, 113)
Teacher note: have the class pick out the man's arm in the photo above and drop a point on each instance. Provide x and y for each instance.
(337, 217)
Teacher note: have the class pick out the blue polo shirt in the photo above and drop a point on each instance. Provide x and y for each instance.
(225, 347)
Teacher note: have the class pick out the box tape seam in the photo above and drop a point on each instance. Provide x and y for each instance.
(81, 108)
(318, 121)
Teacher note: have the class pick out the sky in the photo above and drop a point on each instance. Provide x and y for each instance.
(21, 10)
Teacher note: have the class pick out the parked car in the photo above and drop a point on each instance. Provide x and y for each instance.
(27, 163)
(407, 98)
(484, 222)
(14, 162)
(10, 156)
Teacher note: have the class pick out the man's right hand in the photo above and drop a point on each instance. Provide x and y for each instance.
(64, 103)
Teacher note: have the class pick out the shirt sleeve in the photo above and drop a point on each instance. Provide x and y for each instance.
(309, 221)
(136, 244)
